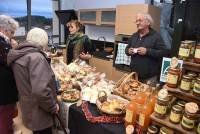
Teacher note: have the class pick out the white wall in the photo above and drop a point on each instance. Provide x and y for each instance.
(96, 31)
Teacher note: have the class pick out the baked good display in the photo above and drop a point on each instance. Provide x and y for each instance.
(70, 95)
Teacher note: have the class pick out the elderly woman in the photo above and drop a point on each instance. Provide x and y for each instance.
(35, 82)
(8, 93)
(78, 44)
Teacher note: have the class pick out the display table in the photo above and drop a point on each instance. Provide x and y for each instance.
(79, 125)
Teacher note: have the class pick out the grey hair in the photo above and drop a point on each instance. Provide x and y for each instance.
(147, 17)
(8, 23)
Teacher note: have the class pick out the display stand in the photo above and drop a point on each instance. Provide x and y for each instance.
(178, 93)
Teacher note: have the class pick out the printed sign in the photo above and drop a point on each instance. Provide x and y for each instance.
(165, 67)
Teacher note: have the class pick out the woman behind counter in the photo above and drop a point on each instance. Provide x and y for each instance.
(78, 44)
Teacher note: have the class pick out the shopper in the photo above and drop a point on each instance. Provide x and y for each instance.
(146, 49)
(35, 82)
(8, 92)
(78, 44)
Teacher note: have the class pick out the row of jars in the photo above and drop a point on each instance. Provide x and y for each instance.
(189, 50)
(189, 81)
(152, 129)
(182, 112)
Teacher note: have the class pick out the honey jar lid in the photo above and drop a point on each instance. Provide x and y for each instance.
(163, 93)
(152, 129)
(191, 107)
(177, 108)
(198, 78)
(192, 74)
(187, 77)
(181, 103)
(174, 63)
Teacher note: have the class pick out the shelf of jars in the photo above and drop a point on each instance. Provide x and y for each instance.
(177, 128)
(188, 96)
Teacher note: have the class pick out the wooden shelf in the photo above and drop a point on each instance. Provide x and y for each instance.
(191, 66)
(165, 122)
(188, 96)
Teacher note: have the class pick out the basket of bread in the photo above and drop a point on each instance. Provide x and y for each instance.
(111, 105)
(127, 86)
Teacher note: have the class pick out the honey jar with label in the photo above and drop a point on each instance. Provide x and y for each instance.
(152, 130)
(185, 50)
(173, 77)
(196, 88)
(197, 53)
(186, 83)
(189, 116)
(176, 114)
(198, 127)
(161, 107)
(193, 76)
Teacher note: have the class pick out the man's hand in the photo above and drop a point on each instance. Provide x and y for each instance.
(131, 51)
(141, 51)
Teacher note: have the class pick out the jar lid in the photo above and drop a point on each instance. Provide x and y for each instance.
(177, 108)
(164, 130)
(198, 78)
(163, 93)
(192, 74)
(191, 107)
(187, 41)
(152, 129)
(181, 103)
(187, 77)
(174, 63)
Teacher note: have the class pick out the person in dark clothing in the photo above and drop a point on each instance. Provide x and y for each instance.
(146, 49)
(78, 45)
(8, 92)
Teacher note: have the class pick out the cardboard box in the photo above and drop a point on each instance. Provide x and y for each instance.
(126, 15)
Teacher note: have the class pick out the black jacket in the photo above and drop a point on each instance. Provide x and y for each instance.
(147, 65)
(8, 90)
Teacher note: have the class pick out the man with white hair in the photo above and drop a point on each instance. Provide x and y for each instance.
(146, 49)
(35, 82)
(8, 92)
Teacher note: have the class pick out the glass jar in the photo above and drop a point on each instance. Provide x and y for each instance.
(181, 103)
(152, 130)
(186, 83)
(161, 107)
(198, 128)
(164, 130)
(189, 116)
(185, 50)
(176, 114)
(193, 76)
(197, 54)
(196, 88)
(173, 77)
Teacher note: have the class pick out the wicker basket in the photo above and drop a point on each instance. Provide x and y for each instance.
(126, 81)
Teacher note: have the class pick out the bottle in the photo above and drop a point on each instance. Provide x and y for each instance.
(130, 116)
(144, 114)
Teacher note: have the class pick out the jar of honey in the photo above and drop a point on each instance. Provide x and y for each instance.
(196, 88)
(152, 130)
(176, 114)
(197, 54)
(173, 77)
(185, 50)
(193, 76)
(186, 83)
(161, 107)
(189, 116)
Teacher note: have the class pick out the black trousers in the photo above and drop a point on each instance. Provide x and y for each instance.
(44, 131)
